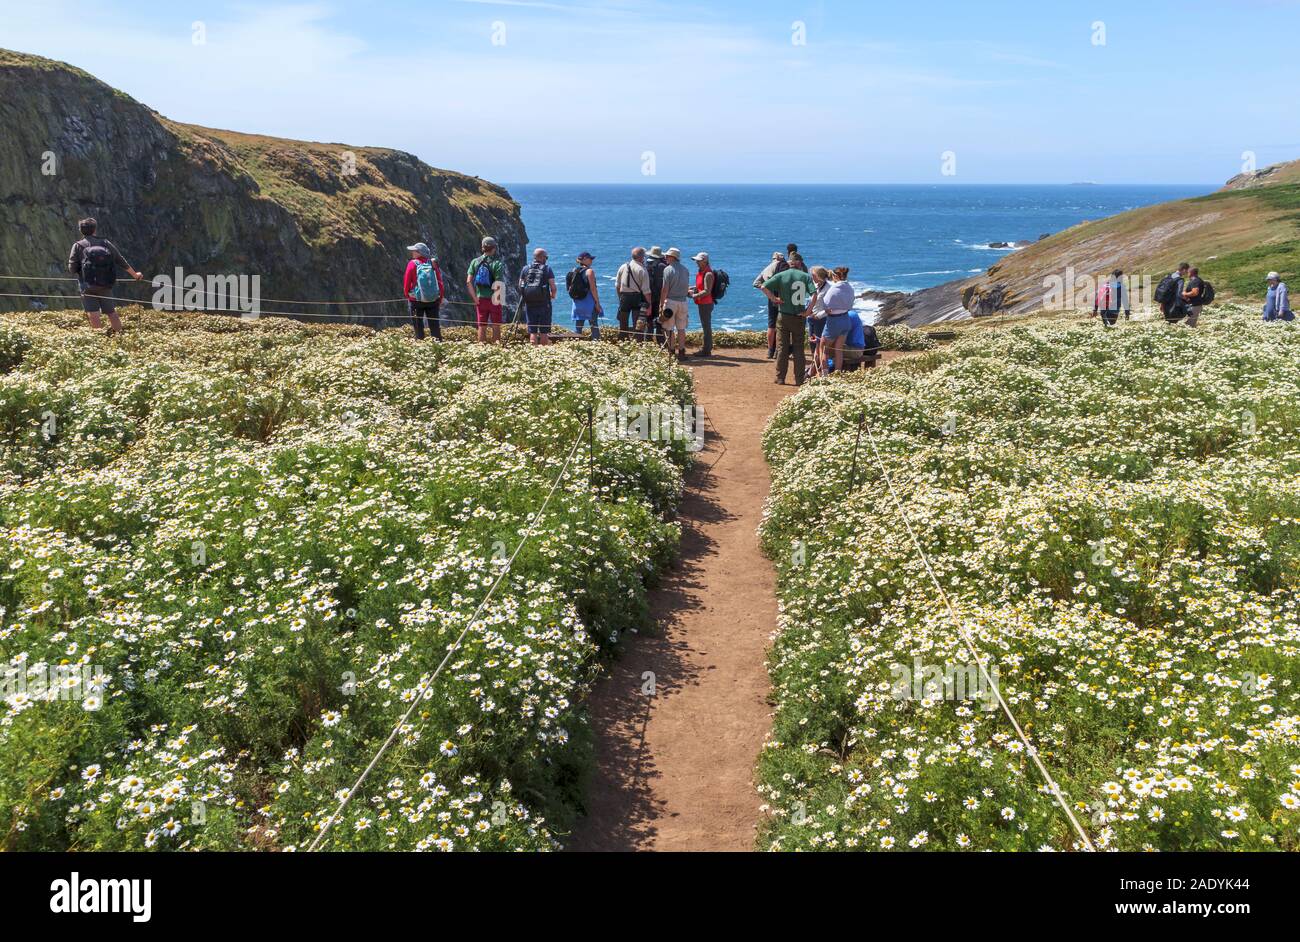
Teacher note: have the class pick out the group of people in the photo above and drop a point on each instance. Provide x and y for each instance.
(1182, 295)
(654, 292)
(818, 302)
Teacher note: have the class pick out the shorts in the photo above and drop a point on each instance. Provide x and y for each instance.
(488, 313)
(1193, 314)
(680, 312)
(94, 300)
(538, 317)
(836, 326)
(815, 327)
(773, 311)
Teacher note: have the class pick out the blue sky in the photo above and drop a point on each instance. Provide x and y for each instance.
(583, 90)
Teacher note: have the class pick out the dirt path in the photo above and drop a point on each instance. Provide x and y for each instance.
(675, 771)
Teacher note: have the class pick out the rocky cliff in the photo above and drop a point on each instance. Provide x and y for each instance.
(1236, 236)
(315, 221)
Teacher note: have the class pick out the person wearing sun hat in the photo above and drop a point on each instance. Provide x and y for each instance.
(674, 307)
(423, 297)
(1277, 304)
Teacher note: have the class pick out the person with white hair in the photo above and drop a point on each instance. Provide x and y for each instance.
(674, 306)
(1277, 304)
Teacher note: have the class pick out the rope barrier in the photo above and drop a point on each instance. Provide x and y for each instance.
(970, 647)
(425, 687)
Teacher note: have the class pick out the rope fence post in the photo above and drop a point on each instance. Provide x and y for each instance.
(853, 472)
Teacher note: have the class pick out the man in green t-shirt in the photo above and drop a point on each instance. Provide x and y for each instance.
(792, 291)
(486, 282)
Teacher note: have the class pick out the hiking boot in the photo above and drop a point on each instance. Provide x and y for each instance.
(771, 353)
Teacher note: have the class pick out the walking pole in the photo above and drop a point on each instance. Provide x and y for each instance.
(853, 474)
(509, 335)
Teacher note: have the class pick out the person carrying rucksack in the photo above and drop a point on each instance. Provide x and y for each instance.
(1277, 303)
(1112, 297)
(655, 266)
(1192, 295)
(775, 267)
(709, 288)
(537, 290)
(581, 283)
(95, 261)
(1169, 294)
(486, 282)
(424, 290)
(632, 285)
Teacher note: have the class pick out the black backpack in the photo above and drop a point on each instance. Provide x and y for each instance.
(97, 267)
(1165, 290)
(1207, 293)
(656, 266)
(721, 282)
(576, 282)
(535, 287)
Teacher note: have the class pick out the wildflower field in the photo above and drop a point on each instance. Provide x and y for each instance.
(229, 552)
(1115, 516)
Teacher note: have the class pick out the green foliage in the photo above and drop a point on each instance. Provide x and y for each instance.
(1115, 516)
(249, 542)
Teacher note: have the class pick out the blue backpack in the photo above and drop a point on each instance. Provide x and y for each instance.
(427, 289)
(483, 275)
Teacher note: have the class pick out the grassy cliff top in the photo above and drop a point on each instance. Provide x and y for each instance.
(336, 190)
(1235, 235)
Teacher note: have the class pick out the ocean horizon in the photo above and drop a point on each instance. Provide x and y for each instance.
(892, 236)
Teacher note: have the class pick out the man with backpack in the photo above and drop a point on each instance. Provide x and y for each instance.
(655, 265)
(775, 267)
(635, 300)
(537, 291)
(1112, 297)
(486, 282)
(1277, 304)
(710, 287)
(95, 262)
(1169, 294)
(424, 291)
(1193, 296)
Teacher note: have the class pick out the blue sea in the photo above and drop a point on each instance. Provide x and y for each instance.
(892, 237)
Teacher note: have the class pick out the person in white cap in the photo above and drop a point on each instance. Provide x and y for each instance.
(702, 295)
(1277, 304)
(674, 308)
(424, 290)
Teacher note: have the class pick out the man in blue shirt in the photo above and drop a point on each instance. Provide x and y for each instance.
(1277, 306)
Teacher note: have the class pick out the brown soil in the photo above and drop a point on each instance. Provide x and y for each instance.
(675, 771)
